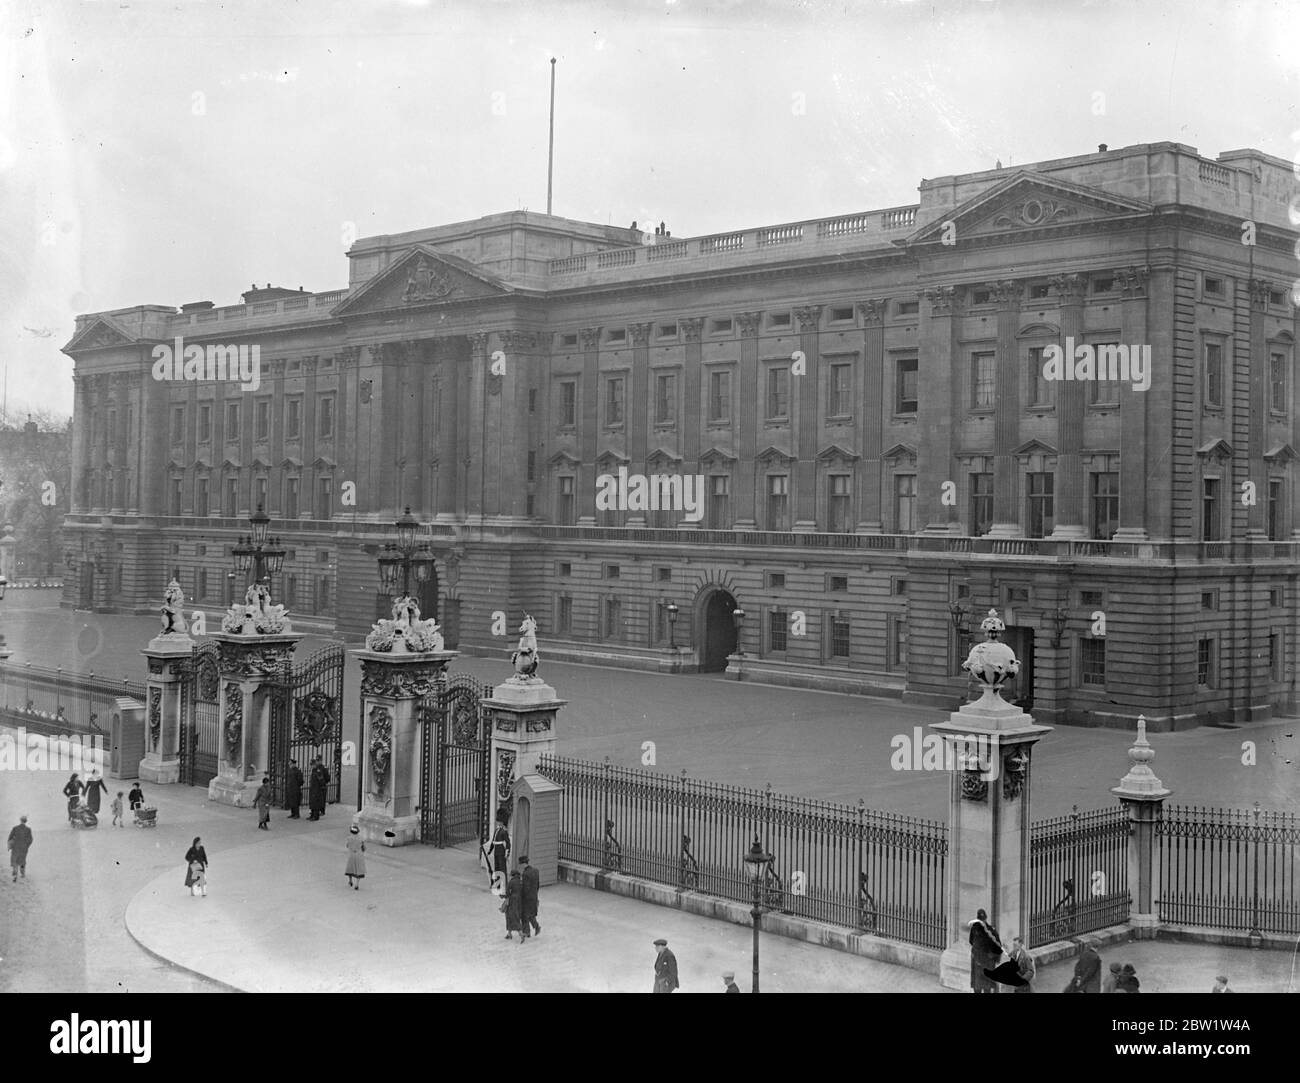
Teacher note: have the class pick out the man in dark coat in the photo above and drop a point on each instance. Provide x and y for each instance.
(665, 968)
(20, 841)
(320, 778)
(1087, 972)
(293, 789)
(532, 885)
(985, 951)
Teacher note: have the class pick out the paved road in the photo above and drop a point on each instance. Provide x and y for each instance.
(815, 744)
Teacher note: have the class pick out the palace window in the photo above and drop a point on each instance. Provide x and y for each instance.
(778, 502)
(614, 400)
(719, 502)
(1040, 388)
(325, 417)
(839, 503)
(1040, 515)
(840, 390)
(778, 393)
(260, 487)
(201, 504)
(777, 626)
(232, 497)
(983, 379)
(568, 404)
(1209, 509)
(904, 503)
(178, 424)
(1277, 370)
(293, 419)
(839, 635)
(666, 398)
(1276, 671)
(564, 509)
(896, 643)
(1103, 392)
(720, 395)
(324, 497)
(907, 308)
(262, 420)
(564, 615)
(232, 421)
(1214, 374)
(1105, 504)
(905, 385)
(1276, 519)
(1092, 656)
(177, 489)
(205, 423)
(291, 484)
(201, 584)
(1205, 663)
(613, 614)
(981, 503)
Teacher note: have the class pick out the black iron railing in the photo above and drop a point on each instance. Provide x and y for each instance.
(1229, 869)
(54, 701)
(1078, 870)
(844, 865)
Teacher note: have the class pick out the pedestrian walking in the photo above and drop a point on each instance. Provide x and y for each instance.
(512, 907)
(1220, 983)
(94, 787)
(1128, 980)
(532, 885)
(665, 968)
(117, 811)
(319, 780)
(1087, 972)
(196, 867)
(136, 797)
(356, 860)
(20, 841)
(1110, 983)
(72, 791)
(985, 951)
(1025, 967)
(293, 790)
(500, 848)
(729, 982)
(262, 799)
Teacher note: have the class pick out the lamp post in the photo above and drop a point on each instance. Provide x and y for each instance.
(404, 556)
(738, 619)
(760, 868)
(1060, 621)
(4, 652)
(255, 551)
(672, 625)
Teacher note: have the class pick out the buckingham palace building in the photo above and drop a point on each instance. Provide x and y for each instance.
(814, 454)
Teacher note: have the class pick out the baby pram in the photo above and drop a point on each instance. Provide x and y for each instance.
(79, 814)
(145, 816)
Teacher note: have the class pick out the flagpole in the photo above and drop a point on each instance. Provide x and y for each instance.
(550, 149)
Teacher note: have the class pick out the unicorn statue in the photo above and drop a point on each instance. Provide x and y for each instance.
(525, 658)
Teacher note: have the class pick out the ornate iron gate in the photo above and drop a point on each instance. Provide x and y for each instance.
(307, 721)
(455, 746)
(200, 716)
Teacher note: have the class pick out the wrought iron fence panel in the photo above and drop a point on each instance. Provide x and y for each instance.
(1078, 869)
(1229, 868)
(838, 864)
(62, 701)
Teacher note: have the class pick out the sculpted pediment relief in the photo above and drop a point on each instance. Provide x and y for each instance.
(422, 277)
(98, 335)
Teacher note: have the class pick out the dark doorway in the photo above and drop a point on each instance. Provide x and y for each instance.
(451, 624)
(1020, 691)
(426, 596)
(87, 598)
(719, 639)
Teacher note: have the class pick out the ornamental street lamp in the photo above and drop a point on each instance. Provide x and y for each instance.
(760, 869)
(1060, 621)
(256, 552)
(672, 625)
(738, 619)
(957, 614)
(405, 556)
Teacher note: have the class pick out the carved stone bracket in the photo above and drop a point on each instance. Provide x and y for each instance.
(873, 312)
(942, 300)
(155, 715)
(748, 323)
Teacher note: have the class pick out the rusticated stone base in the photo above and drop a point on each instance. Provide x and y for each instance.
(160, 772)
(233, 791)
(379, 827)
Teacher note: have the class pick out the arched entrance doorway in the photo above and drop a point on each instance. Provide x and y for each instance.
(719, 638)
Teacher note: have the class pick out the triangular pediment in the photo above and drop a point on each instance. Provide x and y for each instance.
(260, 463)
(609, 458)
(563, 459)
(660, 458)
(420, 278)
(1027, 201)
(835, 453)
(1282, 453)
(229, 464)
(290, 463)
(101, 333)
(1215, 449)
(716, 455)
(770, 455)
(323, 462)
(900, 451)
(1033, 447)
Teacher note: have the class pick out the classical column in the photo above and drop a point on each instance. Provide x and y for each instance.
(989, 744)
(345, 424)
(80, 443)
(1006, 410)
(102, 497)
(155, 430)
(508, 389)
(640, 406)
(386, 412)
(168, 659)
(1136, 406)
(275, 372)
(749, 394)
(871, 411)
(1143, 795)
(694, 408)
(448, 433)
(1257, 422)
(942, 400)
(307, 491)
(588, 422)
(249, 667)
(392, 735)
(808, 422)
(1070, 394)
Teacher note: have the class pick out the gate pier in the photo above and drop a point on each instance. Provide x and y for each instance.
(168, 657)
(251, 667)
(392, 685)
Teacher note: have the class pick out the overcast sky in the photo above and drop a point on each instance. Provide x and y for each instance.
(159, 153)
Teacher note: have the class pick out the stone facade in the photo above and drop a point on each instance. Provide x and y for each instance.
(862, 397)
